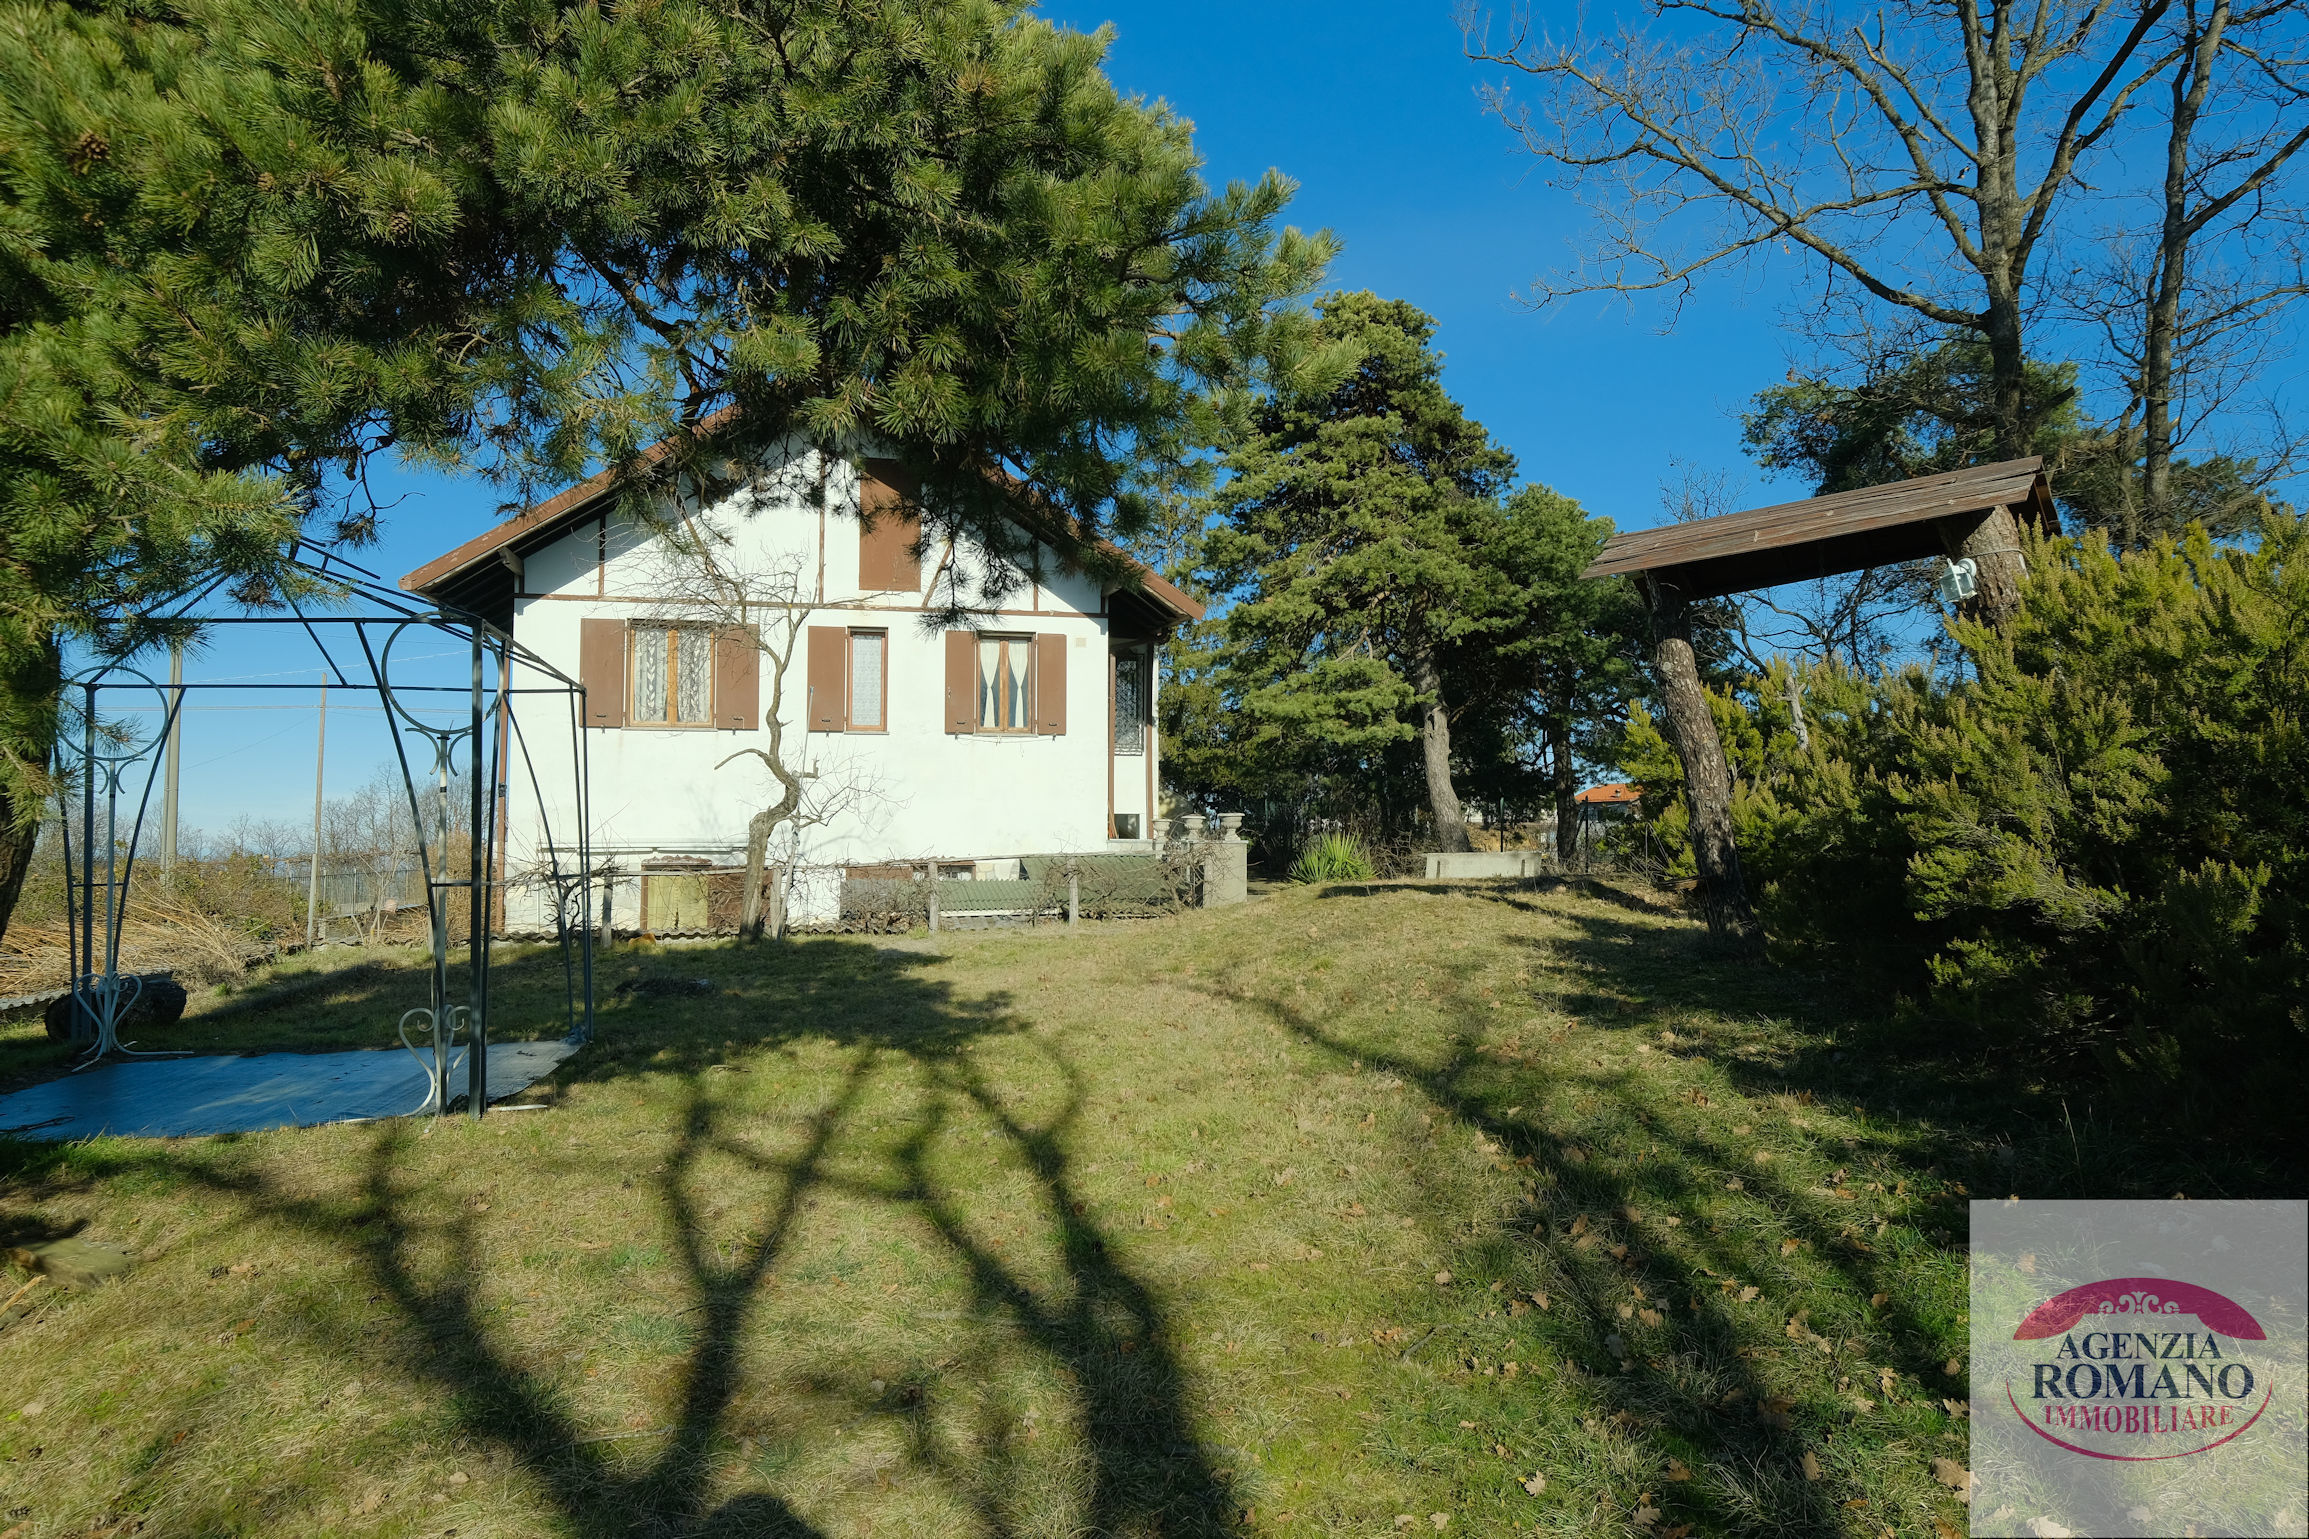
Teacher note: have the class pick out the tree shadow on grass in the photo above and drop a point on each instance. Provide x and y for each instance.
(1686, 1376)
(1097, 1328)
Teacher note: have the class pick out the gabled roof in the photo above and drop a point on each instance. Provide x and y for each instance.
(1821, 536)
(483, 556)
(1609, 796)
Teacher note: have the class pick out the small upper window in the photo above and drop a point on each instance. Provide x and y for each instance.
(672, 675)
(1006, 684)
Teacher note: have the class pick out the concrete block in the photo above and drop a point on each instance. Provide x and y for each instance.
(1469, 865)
(1226, 873)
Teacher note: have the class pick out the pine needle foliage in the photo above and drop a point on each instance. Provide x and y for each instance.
(2096, 848)
(247, 244)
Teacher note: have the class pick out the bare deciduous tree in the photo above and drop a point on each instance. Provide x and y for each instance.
(1919, 154)
(2214, 264)
(702, 573)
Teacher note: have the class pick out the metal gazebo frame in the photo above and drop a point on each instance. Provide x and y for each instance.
(354, 605)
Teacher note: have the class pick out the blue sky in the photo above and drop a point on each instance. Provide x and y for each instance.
(1371, 108)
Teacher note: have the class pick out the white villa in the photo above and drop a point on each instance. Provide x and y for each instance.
(1032, 734)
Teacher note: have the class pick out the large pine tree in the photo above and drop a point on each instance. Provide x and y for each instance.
(1357, 545)
(246, 244)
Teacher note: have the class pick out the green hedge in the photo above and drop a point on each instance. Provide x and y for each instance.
(2097, 844)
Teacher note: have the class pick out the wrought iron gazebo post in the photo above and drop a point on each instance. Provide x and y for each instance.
(477, 846)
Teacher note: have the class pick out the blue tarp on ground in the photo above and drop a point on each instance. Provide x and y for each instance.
(194, 1097)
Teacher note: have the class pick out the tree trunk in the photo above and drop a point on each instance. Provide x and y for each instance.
(1707, 775)
(1435, 752)
(759, 827)
(1994, 546)
(2192, 77)
(1563, 774)
(19, 833)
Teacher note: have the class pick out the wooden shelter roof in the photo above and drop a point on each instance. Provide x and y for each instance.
(1822, 536)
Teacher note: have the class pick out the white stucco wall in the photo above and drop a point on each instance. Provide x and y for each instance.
(918, 793)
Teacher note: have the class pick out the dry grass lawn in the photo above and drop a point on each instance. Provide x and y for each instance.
(1360, 1211)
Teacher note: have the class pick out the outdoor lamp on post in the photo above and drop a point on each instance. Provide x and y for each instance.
(1959, 580)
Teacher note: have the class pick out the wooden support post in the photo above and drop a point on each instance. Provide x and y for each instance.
(1993, 543)
(1073, 896)
(933, 900)
(1707, 774)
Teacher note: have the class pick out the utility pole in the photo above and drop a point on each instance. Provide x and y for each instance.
(313, 882)
(175, 756)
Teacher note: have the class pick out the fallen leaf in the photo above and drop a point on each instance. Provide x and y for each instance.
(1540, 1299)
(1876, 1300)
(1952, 1368)
(1762, 1156)
(1733, 1185)
(1886, 1379)
(1943, 1529)
(1650, 1316)
(1811, 1465)
(371, 1502)
(1775, 1412)
(1634, 1215)
(1788, 1247)
(2028, 1265)
(1744, 1130)
(1441, 1520)
(1579, 1225)
(1627, 1311)
(2046, 1528)
(1954, 1476)
(1444, 1278)
(1678, 1470)
(1673, 1221)
(1468, 1425)
(1748, 1294)
(1536, 1483)
(1619, 1253)
(1863, 1403)
(1645, 1517)
(1956, 1408)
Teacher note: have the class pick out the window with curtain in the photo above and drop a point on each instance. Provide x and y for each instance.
(673, 675)
(1006, 684)
(1129, 704)
(868, 652)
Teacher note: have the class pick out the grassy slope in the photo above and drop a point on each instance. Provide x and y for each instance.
(1137, 1231)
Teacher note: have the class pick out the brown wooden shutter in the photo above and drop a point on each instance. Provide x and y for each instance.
(737, 680)
(1050, 683)
(962, 681)
(601, 669)
(886, 536)
(829, 665)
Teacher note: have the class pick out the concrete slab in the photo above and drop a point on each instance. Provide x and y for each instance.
(1469, 864)
(196, 1097)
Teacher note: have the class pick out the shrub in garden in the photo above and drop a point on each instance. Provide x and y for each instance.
(1334, 857)
(2097, 844)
